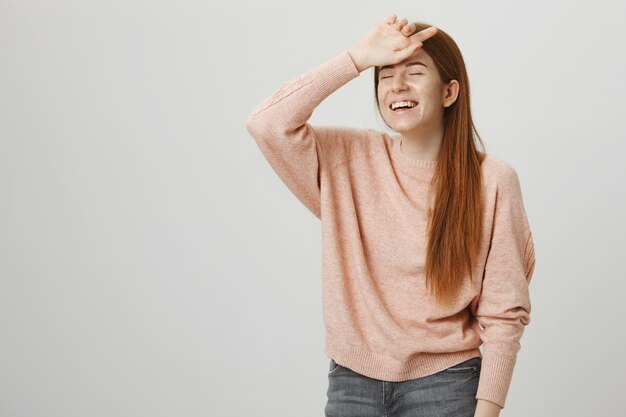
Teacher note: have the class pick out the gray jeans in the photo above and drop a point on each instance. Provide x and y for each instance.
(447, 393)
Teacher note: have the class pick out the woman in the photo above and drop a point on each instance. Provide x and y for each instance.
(427, 251)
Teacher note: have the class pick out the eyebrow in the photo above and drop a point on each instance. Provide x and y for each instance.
(406, 65)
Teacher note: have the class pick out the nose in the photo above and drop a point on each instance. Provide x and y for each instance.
(398, 83)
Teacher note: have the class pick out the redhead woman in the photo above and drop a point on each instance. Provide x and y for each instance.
(427, 250)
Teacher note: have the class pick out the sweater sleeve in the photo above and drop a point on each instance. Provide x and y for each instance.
(503, 307)
(294, 149)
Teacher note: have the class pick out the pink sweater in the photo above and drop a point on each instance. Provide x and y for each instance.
(371, 199)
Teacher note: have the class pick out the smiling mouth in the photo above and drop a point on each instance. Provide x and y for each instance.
(404, 108)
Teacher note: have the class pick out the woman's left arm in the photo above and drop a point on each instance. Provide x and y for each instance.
(503, 305)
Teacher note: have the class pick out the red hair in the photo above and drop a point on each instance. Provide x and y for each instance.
(455, 217)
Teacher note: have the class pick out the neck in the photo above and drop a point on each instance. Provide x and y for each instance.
(422, 143)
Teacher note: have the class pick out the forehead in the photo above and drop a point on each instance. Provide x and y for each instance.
(420, 56)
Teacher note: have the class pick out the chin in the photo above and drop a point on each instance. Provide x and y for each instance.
(404, 127)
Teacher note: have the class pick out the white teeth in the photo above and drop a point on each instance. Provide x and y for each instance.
(403, 103)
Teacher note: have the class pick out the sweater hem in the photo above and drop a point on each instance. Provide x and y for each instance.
(387, 369)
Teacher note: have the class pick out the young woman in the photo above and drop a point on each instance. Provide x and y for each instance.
(427, 250)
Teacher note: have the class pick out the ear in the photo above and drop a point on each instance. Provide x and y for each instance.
(450, 93)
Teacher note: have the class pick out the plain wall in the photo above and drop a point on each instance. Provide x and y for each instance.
(153, 264)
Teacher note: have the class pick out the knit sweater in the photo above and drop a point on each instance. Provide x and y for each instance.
(371, 198)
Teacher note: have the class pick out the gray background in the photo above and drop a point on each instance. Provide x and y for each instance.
(152, 263)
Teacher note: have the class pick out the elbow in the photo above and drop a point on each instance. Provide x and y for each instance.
(251, 124)
(259, 126)
(256, 128)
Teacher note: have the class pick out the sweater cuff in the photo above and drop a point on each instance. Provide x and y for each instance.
(495, 377)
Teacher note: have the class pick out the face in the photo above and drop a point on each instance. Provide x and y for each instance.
(415, 79)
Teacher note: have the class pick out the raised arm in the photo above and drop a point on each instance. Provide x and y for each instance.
(279, 124)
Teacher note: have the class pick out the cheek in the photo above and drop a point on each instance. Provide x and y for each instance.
(381, 103)
(428, 97)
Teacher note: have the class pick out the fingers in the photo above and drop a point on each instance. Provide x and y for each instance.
(408, 29)
(403, 26)
(400, 24)
(425, 34)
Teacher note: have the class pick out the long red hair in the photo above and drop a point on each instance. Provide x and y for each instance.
(455, 217)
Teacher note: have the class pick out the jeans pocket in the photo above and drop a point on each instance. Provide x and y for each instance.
(468, 366)
(333, 367)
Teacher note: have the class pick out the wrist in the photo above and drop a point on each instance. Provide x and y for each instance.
(357, 58)
(486, 408)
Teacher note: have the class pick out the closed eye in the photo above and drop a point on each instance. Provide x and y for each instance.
(415, 73)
